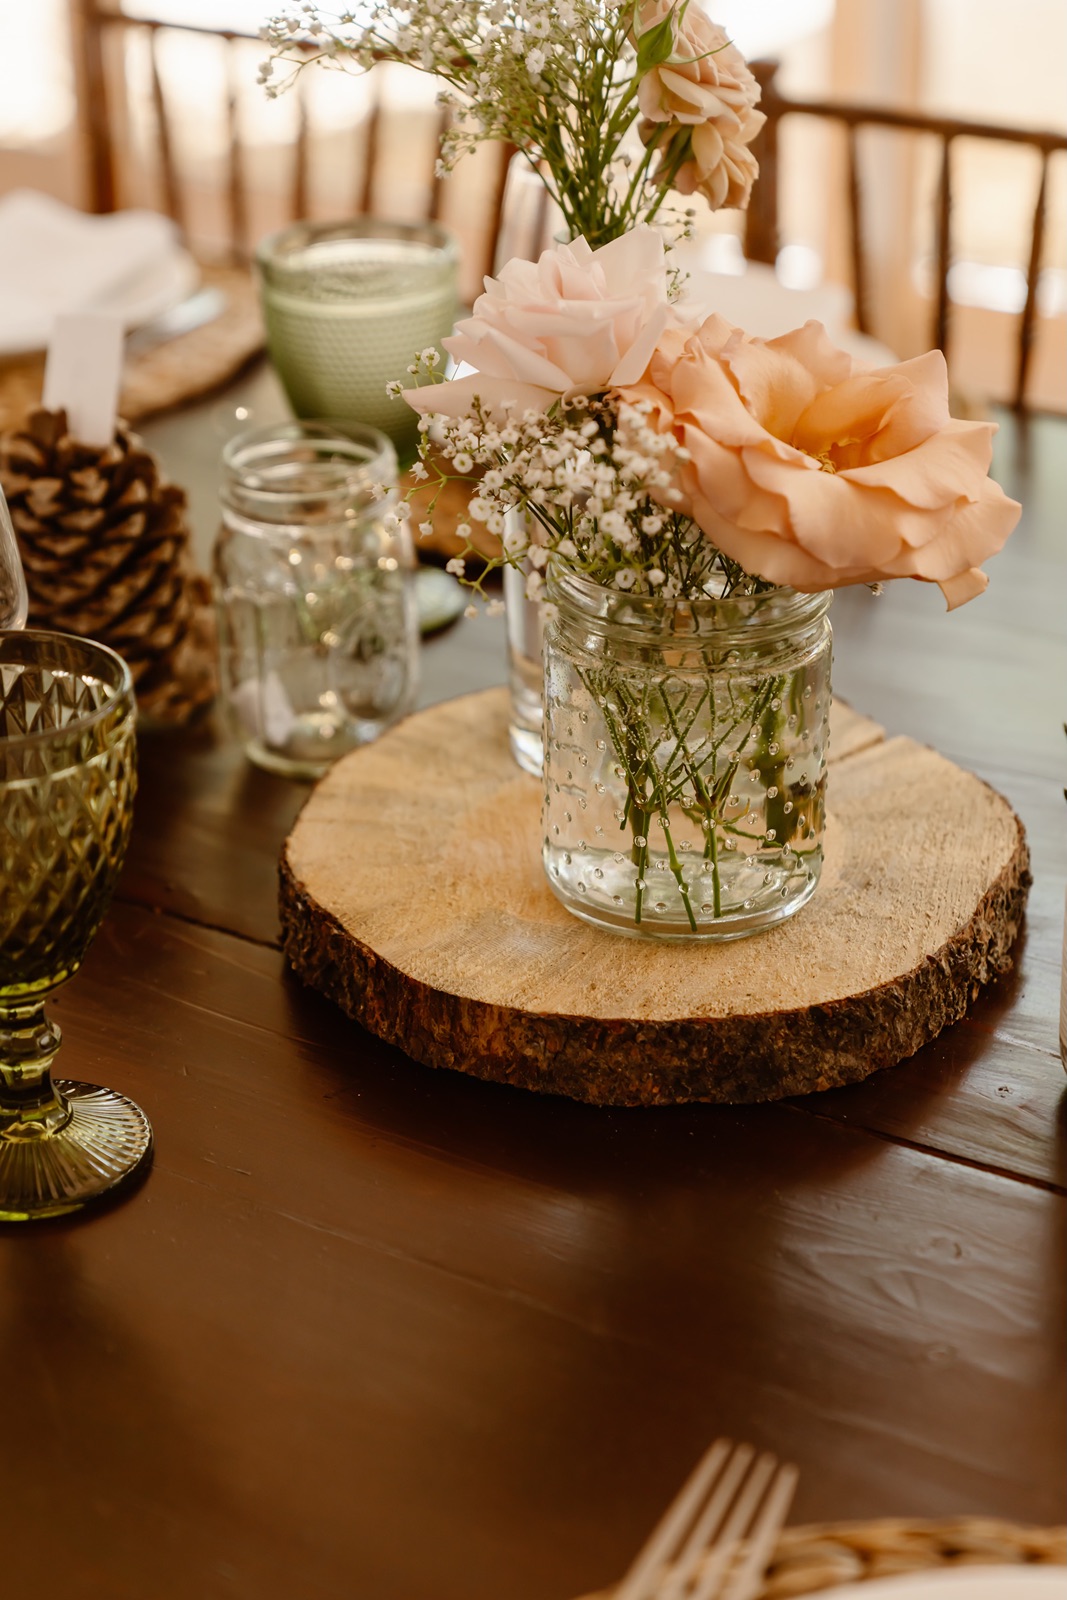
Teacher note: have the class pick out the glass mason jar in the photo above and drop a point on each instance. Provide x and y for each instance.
(314, 579)
(685, 757)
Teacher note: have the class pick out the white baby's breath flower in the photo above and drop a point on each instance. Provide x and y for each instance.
(457, 566)
(515, 539)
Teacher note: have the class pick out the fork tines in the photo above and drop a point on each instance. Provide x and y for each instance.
(697, 1551)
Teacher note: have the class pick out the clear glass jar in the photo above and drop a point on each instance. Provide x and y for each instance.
(314, 577)
(525, 635)
(685, 758)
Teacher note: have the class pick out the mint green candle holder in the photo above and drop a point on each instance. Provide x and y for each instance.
(347, 307)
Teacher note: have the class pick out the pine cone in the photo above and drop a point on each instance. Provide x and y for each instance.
(105, 547)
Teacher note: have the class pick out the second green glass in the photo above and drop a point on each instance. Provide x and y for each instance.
(347, 307)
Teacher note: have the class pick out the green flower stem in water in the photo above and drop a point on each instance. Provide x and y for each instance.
(652, 789)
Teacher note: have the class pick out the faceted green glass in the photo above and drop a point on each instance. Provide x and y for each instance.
(67, 782)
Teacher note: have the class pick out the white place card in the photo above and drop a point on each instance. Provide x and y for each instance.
(83, 373)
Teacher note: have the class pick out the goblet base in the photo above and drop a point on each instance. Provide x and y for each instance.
(47, 1171)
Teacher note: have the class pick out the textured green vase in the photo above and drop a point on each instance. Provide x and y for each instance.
(347, 307)
(67, 782)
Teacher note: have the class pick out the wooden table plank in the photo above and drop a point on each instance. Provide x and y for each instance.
(371, 1329)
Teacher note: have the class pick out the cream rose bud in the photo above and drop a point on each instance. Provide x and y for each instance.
(703, 90)
(577, 321)
(812, 474)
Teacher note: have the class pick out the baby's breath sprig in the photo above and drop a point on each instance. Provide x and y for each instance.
(558, 79)
(589, 483)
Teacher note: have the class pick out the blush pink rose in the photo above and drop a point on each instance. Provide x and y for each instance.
(699, 106)
(577, 321)
(813, 474)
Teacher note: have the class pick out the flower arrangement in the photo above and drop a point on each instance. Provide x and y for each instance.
(615, 103)
(663, 453)
(669, 470)
(684, 495)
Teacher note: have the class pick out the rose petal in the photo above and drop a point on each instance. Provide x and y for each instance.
(634, 361)
(812, 346)
(937, 472)
(964, 586)
(844, 419)
(499, 396)
(498, 354)
(775, 386)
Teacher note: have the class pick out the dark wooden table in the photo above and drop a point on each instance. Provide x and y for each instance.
(369, 1330)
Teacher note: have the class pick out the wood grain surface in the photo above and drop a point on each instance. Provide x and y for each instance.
(413, 895)
(373, 1330)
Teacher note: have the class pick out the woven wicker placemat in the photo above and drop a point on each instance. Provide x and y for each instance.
(167, 374)
(826, 1555)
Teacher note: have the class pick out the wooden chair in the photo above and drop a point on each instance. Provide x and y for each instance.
(761, 220)
(101, 33)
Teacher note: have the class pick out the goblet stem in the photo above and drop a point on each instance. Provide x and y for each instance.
(30, 1105)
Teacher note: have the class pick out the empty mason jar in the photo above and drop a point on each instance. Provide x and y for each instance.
(685, 757)
(314, 575)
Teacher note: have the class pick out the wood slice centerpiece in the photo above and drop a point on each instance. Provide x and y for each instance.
(412, 894)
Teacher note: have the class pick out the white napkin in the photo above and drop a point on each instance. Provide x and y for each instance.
(54, 259)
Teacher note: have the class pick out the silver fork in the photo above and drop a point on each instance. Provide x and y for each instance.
(694, 1551)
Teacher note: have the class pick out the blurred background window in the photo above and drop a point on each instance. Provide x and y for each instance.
(963, 58)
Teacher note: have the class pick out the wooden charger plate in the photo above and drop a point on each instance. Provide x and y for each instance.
(412, 894)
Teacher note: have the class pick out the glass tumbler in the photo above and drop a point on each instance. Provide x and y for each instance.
(347, 307)
(67, 781)
(314, 579)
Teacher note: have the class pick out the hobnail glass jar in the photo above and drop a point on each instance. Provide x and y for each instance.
(685, 758)
(318, 622)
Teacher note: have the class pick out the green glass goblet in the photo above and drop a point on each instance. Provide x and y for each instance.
(67, 781)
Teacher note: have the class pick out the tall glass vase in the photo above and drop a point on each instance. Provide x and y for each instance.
(525, 631)
(685, 758)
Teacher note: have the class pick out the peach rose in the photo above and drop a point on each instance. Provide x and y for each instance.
(813, 474)
(577, 321)
(697, 103)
